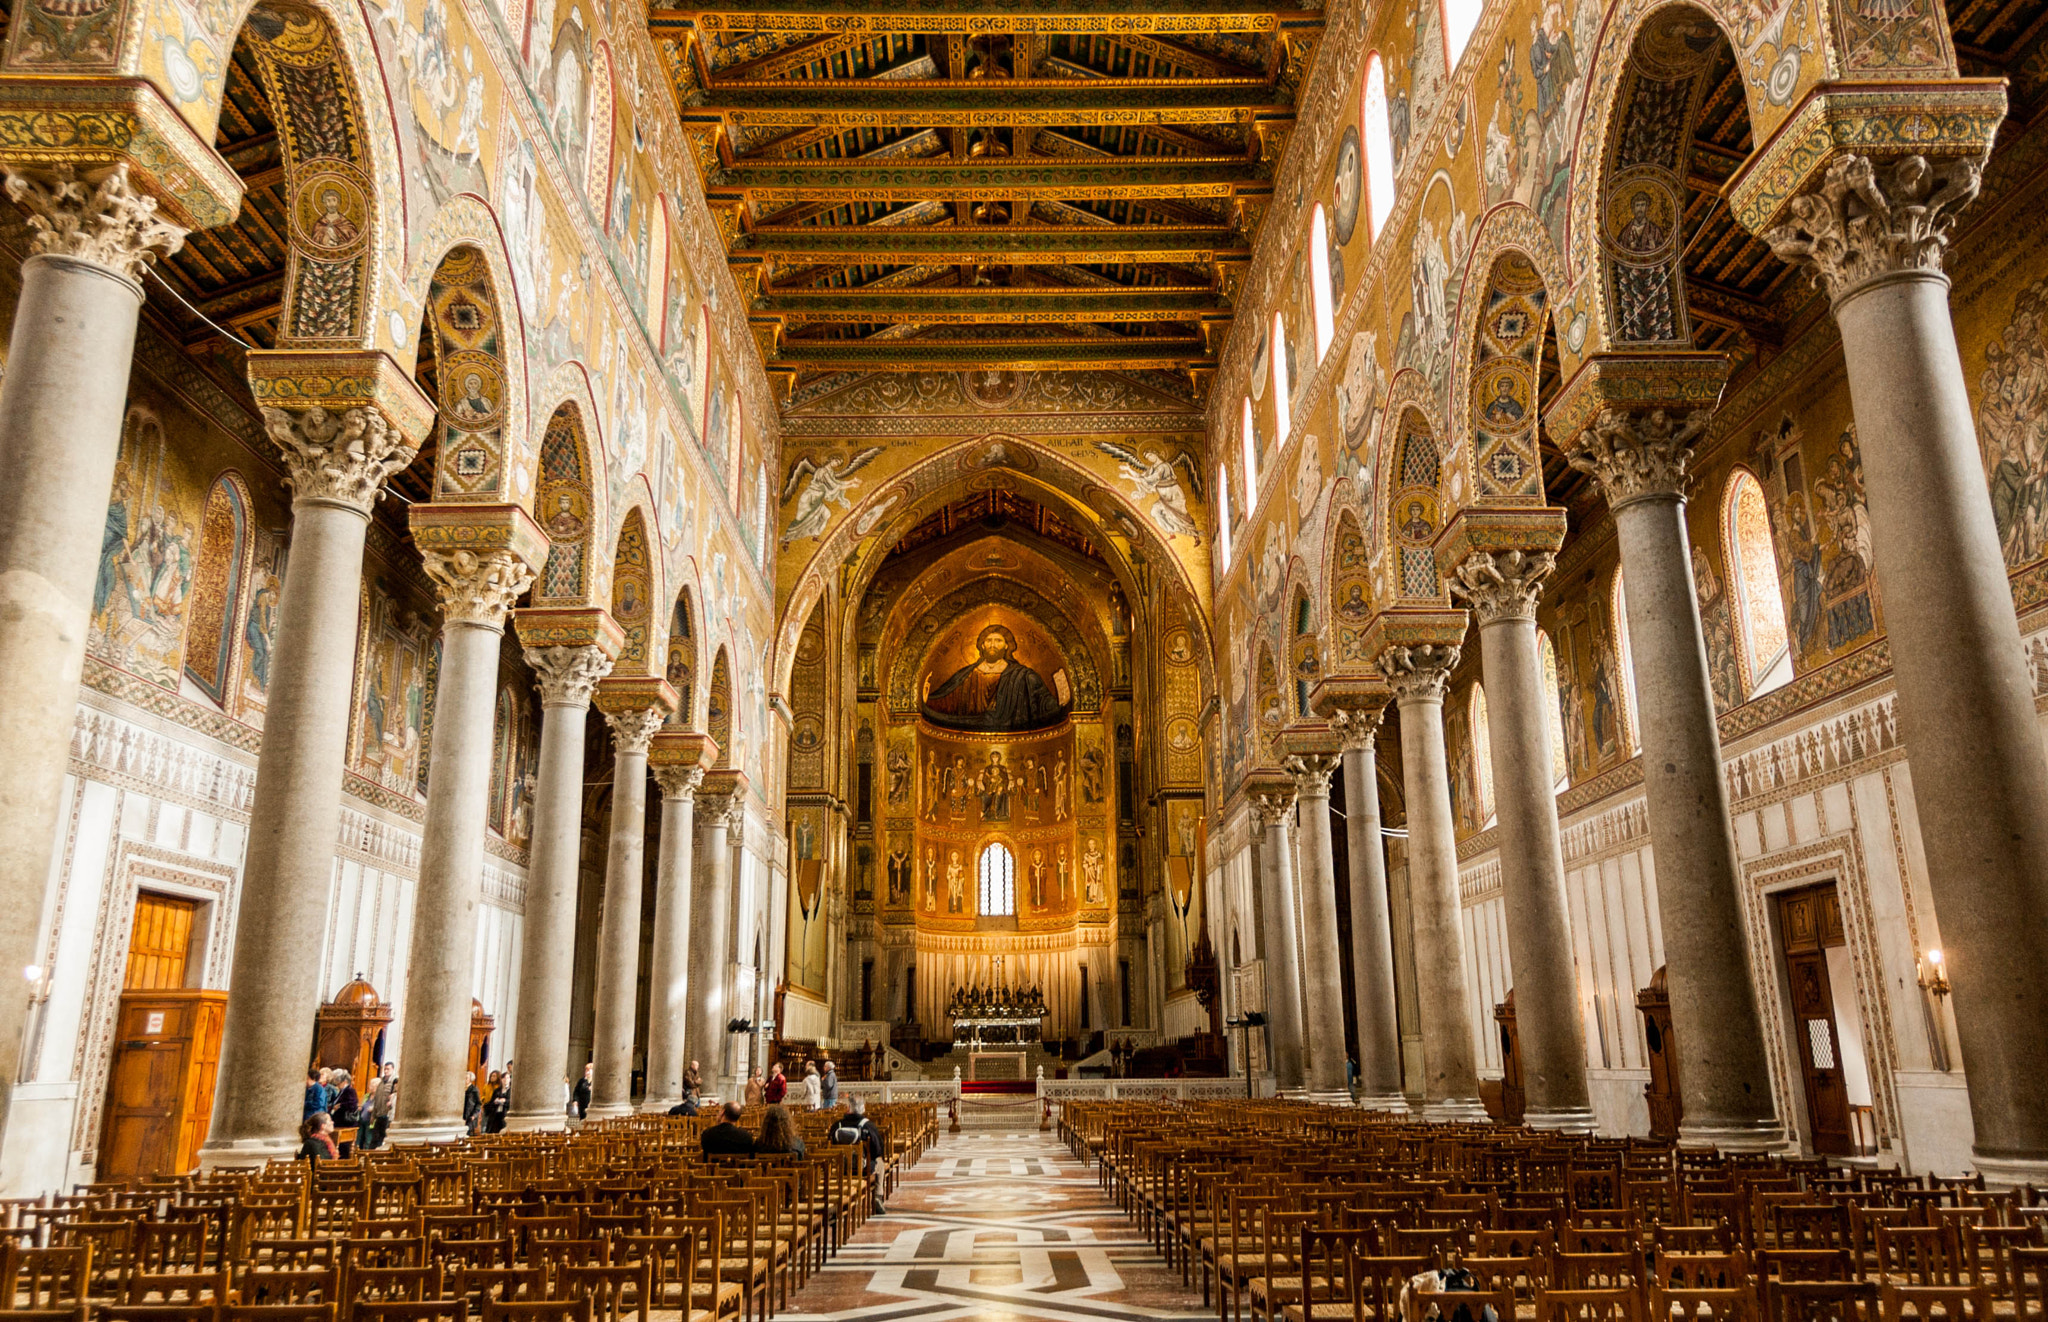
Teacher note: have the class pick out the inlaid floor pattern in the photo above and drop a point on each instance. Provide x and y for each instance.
(999, 1227)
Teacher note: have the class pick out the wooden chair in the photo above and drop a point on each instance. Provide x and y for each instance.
(408, 1310)
(615, 1290)
(1918, 1255)
(1821, 1301)
(177, 1287)
(477, 1284)
(1623, 1305)
(1924, 1303)
(306, 1285)
(544, 1310)
(1461, 1306)
(1694, 1304)
(204, 1310)
(323, 1312)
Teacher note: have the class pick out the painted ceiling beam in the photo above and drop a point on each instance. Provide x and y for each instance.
(1120, 353)
(969, 103)
(786, 182)
(1006, 245)
(1050, 305)
(990, 17)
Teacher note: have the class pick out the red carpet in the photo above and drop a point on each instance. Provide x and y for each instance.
(999, 1086)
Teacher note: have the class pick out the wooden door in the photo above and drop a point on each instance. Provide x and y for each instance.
(1811, 921)
(160, 1090)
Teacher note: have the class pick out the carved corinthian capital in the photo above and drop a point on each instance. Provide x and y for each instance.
(634, 728)
(1502, 585)
(337, 458)
(1868, 218)
(1419, 674)
(477, 587)
(105, 221)
(1311, 772)
(1638, 454)
(1358, 726)
(566, 676)
(679, 782)
(1274, 806)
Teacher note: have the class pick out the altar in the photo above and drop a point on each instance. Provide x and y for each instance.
(996, 1067)
(1002, 1015)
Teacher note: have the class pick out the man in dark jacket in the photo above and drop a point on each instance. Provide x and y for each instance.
(727, 1139)
(579, 1097)
(855, 1127)
(316, 1094)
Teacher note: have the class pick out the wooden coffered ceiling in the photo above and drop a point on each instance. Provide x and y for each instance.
(914, 185)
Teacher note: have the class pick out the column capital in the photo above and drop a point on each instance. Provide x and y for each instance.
(679, 783)
(566, 676)
(1357, 727)
(344, 421)
(722, 801)
(1311, 772)
(1419, 674)
(633, 728)
(1638, 456)
(482, 558)
(1502, 585)
(1272, 799)
(1866, 219)
(1354, 705)
(97, 217)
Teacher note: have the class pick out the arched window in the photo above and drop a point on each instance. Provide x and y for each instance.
(1560, 764)
(1223, 514)
(1625, 657)
(216, 588)
(1460, 18)
(1319, 280)
(1482, 756)
(1283, 421)
(1379, 145)
(1753, 573)
(1249, 434)
(998, 882)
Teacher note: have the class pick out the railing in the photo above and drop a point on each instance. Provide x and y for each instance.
(905, 1090)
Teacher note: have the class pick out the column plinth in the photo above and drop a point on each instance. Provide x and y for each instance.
(1418, 672)
(1356, 709)
(679, 760)
(344, 423)
(1873, 231)
(1500, 560)
(1640, 454)
(568, 652)
(481, 558)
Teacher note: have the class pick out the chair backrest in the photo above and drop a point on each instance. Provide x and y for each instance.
(1598, 1271)
(1821, 1301)
(422, 1282)
(408, 1310)
(1695, 1304)
(1925, 1303)
(1514, 1243)
(542, 1310)
(1461, 1306)
(2029, 1283)
(277, 1312)
(176, 1287)
(1699, 1271)
(205, 1310)
(615, 1290)
(303, 1285)
(1918, 1255)
(1623, 1305)
(481, 1283)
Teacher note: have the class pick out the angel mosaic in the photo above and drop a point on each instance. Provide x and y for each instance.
(823, 486)
(1160, 478)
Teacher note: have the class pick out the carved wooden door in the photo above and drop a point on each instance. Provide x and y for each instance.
(1811, 921)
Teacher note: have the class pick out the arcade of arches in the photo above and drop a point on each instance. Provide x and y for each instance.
(1479, 557)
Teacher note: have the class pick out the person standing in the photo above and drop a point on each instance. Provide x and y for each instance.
(497, 1106)
(755, 1089)
(828, 1087)
(316, 1095)
(693, 1079)
(383, 1105)
(777, 1086)
(579, 1100)
(472, 1103)
(814, 1087)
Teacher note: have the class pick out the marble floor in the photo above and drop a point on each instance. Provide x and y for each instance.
(998, 1227)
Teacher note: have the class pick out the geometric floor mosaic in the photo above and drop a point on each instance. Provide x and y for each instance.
(997, 1227)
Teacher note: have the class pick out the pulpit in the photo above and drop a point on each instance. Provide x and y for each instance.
(480, 1026)
(347, 1029)
(1512, 1100)
(1661, 1092)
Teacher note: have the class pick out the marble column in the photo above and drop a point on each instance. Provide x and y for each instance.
(1372, 941)
(60, 434)
(336, 463)
(477, 586)
(1501, 588)
(566, 676)
(1640, 459)
(1281, 938)
(618, 941)
(669, 973)
(718, 804)
(1322, 960)
(1875, 234)
(1450, 1068)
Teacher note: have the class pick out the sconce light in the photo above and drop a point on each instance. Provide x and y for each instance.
(1934, 973)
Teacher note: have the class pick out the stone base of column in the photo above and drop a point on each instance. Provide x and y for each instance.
(427, 1131)
(535, 1124)
(1392, 1101)
(610, 1111)
(1328, 1097)
(660, 1105)
(1757, 1136)
(1561, 1122)
(247, 1152)
(1461, 1109)
(2010, 1172)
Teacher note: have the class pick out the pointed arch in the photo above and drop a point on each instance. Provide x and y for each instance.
(1553, 710)
(1303, 650)
(501, 758)
(1482, 756)
(718, 706)
(682, 658)
(1763, 639)
(1283, 387)
(565, 504)
(217, 576)
(473, 387)
(1415, 509)
(1501, 403)
(1348, 575)
(1375, 123)
(633, 587)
